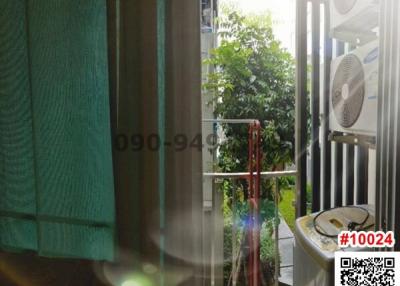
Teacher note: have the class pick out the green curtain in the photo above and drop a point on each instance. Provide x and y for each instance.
(56, 180)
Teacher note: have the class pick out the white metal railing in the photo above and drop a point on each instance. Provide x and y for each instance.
(245, 175)
(265, 176)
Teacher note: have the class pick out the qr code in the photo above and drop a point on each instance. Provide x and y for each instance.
(367, 268)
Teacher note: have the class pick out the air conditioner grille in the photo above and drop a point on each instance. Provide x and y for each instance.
(348, 91)
(344, 6)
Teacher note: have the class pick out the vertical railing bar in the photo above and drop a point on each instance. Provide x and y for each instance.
(234, 233)
(391, 186)
(380, 142)
(384, 133)
(301, 107)
(350, 176)
(362, 178)
(315, 103)
(396, 201)
(338, 190)
(327, 144)
(349, 163)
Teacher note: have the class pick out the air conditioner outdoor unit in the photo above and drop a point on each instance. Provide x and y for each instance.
(354, 91)
(354, 19)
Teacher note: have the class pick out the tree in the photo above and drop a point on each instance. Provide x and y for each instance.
(254, 78)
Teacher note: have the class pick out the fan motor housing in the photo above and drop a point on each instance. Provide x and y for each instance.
(354, 19)
(353, 96)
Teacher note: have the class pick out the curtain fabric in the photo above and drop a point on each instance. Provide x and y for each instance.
(56, 181)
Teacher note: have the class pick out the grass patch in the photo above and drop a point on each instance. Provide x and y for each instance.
(286, 207)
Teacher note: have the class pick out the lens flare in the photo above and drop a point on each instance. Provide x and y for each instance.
(137, 280)
(130, 283)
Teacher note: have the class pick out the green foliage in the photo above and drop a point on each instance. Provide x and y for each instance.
(267, 248)
(309, 196)
(227, 252)
(287, 182)
(253, 79)
(267, 207)
(267, 252)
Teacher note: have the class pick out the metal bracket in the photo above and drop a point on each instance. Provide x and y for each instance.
(353, 139)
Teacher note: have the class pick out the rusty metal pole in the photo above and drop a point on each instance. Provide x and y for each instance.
(250, 227)
(276, 224)
(257, 194)
(254, 226)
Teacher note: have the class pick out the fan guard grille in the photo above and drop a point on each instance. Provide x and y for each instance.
(344, 6)
(348, 91)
